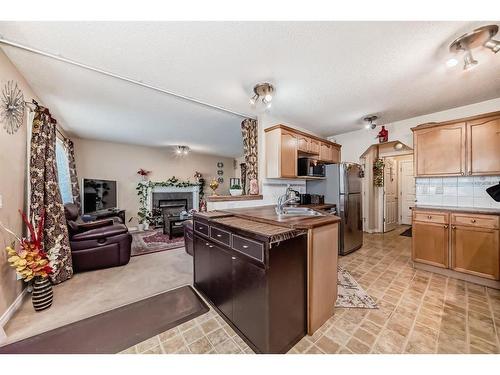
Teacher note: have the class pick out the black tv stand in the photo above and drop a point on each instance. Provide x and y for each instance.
(111, 212)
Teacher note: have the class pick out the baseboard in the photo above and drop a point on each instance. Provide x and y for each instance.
(12, 309)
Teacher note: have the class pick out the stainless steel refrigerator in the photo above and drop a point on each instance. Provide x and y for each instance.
(343, 187)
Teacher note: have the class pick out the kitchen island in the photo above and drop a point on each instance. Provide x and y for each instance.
(272, 278)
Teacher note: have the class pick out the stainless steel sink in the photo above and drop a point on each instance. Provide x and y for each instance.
(300, 211)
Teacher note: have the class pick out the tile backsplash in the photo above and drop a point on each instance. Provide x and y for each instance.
(456, 191)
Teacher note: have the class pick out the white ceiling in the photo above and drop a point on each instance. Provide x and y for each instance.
(328, 75)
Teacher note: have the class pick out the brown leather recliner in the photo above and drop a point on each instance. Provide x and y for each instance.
(99, 244)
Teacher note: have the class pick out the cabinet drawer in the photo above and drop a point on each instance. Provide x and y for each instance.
(251, 248)
(220, 236)
(431, 217)
(201, 228)
(480, 221)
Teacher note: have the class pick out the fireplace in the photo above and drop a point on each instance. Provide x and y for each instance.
(170, 195)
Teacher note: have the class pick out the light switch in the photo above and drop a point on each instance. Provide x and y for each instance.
(1, 202)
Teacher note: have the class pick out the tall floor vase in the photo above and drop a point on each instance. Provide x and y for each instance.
(42, 294)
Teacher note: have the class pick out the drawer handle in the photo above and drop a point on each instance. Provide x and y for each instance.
(473, 221)
(200, 228)
(219, 235)
(233, 258)
(245, 246)
(429, 217)
(210, 246)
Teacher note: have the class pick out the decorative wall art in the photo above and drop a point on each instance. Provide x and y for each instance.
(220, 172)
(220, 165)
(12, 107)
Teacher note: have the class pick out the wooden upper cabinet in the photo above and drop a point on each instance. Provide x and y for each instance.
(440, 150)
(469, 146)
(483, 146)
(283, 146)
(303, 143)
(288, 154)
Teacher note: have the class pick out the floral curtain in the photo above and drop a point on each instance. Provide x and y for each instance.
(75, 188)
(249, 132)
(45, 195)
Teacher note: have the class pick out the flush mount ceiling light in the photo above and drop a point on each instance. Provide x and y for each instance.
(480, 37)
(370, 122)
(263, 94)
(182, 150)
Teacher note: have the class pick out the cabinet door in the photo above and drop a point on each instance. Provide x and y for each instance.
(335, 154)
(288, 154)
(325, 152)
(430, 243)
(475, 251)
(221, 283)
(483, 146)
(303, 143)
(440, 150)
(315, 147)
(201, 261)
(250, 302)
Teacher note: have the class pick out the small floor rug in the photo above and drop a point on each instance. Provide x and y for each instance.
(350, 294)
(406, 233)
(117, 329)
(153, 241)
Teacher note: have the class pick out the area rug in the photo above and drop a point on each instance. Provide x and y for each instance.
(153, 241)
(406, 233)
(350, 294)
(117, 329)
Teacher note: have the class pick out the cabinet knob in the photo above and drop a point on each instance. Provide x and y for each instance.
(446, 227)
(453, 227)
(473, 221)
(219, 235)
(462, 173)
(210, 246)
(233, 258)
(245, 246)
(429, 217)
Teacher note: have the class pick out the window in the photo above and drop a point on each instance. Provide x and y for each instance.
(63, 172)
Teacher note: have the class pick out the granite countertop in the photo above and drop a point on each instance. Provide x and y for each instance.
(267, 214)
(475, 210)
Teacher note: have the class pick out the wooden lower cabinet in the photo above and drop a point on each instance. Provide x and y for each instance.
(475, 251)
(430, 243)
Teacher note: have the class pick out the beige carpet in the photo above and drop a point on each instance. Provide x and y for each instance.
(91, 293)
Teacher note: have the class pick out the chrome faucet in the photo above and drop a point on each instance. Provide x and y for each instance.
(285, 199)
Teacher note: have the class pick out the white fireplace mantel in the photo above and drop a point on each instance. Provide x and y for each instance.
(194, 190)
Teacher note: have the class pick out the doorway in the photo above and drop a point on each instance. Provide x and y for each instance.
(390, 194)
(406, 191)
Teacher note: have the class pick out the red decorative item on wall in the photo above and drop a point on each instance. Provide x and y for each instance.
(383, 135)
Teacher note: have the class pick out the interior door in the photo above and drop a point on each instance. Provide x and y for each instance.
(390, 195)
(407, 190)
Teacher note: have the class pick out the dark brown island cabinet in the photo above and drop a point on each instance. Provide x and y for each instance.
(255, 278)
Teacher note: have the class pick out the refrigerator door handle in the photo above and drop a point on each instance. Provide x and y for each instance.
(346, 206)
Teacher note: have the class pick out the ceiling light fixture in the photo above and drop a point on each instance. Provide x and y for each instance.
(263, 93)
(370, 122)
(480, 37)
(450, 63)
(182, 150)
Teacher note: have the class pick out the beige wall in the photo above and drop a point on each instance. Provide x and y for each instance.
(12, 182)
(120, 162)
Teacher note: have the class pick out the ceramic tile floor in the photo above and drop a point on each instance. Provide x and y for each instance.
(419, 312)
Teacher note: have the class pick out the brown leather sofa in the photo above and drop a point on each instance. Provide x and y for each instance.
(98, 244)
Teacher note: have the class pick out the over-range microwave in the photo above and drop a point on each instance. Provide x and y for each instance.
(310, 167)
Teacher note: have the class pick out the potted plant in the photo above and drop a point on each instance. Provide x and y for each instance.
(235, 190)
(32, 263)
(143, 173)
(144, 217)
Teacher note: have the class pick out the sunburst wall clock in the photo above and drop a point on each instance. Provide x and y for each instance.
(12, 109)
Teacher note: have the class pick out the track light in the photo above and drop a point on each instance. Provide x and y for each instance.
(480, 37)
(263, 95)
(182, 150)
(370, 122)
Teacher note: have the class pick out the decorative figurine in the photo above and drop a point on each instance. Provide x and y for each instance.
(254, 187)
(383, 135)
(214, 184)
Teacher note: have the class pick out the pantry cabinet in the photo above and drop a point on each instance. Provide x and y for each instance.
(284, 145)
(462, 147)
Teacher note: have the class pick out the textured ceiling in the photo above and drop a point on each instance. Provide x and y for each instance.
(328, 75)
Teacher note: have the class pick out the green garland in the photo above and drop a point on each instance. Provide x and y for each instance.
(143, 188)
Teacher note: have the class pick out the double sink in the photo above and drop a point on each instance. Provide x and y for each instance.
(299, 211)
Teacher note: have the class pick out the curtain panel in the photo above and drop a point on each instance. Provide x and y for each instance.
(249, 133)
(45, 195)
(75, 188)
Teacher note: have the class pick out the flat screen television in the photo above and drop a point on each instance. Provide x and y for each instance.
(98, 195)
